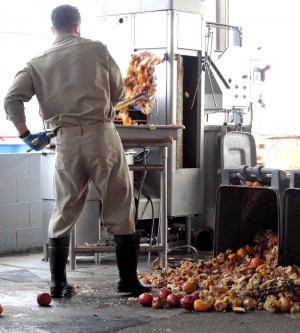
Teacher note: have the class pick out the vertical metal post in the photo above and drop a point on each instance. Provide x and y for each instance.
(163, 211)
(222, 17)
(46, 251)
(72, 254)
(97, 255)
(188, 231)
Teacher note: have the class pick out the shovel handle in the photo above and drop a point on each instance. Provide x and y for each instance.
(51, 135)
(133, 100)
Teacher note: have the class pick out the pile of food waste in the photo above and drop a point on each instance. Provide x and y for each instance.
(246, 279)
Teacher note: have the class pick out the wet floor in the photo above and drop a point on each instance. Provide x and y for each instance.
(97, 307)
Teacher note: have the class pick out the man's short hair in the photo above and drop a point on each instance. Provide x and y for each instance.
(64, 17)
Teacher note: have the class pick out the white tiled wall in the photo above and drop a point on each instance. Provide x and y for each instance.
(21, 223)
(24, 216)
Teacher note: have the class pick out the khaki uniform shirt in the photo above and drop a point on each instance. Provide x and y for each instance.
(75, 82)
(70, 81)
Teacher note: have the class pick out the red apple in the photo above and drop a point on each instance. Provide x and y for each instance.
(187, 302)
(157, 303)
(1, 309)
(163, 293)
(145, 299)
(180, 295)
(43, 298)
(196, 294)
(285, 303)
(173, 300)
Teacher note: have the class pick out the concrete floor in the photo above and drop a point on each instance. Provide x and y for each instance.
(98, 308)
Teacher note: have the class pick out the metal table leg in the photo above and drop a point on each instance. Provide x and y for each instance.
(163, 211)
(163, 150)
(188, 230)
(72, 254)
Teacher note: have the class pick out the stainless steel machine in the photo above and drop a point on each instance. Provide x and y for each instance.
(207, 89)
(174, 30)
(179, 38)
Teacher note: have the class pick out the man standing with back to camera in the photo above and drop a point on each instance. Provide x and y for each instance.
(77, 82)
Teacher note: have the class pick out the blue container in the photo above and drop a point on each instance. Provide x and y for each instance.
(8, 149)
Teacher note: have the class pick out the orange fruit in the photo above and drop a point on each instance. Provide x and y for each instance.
(255, 262)
(189, 287)
(201, 305)
(232, 256)
(207, 283)
(231, 293)
(194, 280)
(242, 252)
(256, 184)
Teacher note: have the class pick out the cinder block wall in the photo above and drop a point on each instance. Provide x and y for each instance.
(21, 223)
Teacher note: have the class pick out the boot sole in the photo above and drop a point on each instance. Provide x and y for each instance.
(133, 291)
(66, 293)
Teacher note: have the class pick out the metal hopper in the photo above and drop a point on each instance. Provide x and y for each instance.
(290, 246)
(242, 210)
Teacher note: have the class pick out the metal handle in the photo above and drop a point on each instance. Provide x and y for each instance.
(51, 135)
(133, 100)
(267, 176)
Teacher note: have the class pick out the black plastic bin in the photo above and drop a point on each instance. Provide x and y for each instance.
(290, 240)
(242, 211)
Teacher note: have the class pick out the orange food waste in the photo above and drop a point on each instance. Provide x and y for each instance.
(256, 262)
(263, 269)
(232, 256)
(207, 283)
(189, 287)
(194, 280)
(201, 305)
(256, 184)
(242, 252)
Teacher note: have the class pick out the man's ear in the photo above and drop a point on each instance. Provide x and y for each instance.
(77, 29)
(53, 30)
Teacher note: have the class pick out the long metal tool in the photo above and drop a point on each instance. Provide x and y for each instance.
(117, 107)
(133, 100)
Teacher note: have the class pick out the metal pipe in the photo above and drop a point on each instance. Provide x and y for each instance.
(163, 211)
(188, 230)
(152, 167)
(111, 249)
(144, 142)
(72, 253)
(225, 26)
(171, 67)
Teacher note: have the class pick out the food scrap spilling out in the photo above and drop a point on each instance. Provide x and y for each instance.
(238, 281)
(140, 79)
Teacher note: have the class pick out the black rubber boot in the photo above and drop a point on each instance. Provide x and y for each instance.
(58, 256)
(127, 252)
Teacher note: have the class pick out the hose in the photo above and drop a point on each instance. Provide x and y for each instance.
(176, 261)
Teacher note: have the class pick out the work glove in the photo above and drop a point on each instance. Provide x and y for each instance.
(36, 141)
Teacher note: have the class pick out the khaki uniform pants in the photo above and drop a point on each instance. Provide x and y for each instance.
(86, 154)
